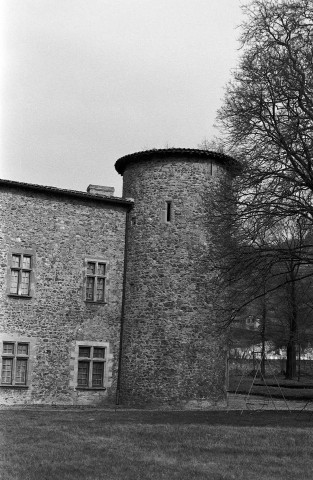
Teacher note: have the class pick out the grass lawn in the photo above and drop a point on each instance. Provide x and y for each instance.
(92, 444)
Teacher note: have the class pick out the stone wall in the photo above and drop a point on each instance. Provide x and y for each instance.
(171, 351)
(60, 232)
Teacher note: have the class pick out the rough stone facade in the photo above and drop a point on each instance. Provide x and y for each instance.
(155, 247)
(171, 351)
(60, 232)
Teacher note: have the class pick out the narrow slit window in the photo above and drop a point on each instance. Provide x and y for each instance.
(169, 211)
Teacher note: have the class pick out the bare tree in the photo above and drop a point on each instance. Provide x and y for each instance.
(270, 279)
(293, 314)
(267, 115)
(267, 123)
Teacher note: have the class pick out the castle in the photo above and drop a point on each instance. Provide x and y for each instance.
(110, 300)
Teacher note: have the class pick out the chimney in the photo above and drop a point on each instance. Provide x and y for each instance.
(100, 190)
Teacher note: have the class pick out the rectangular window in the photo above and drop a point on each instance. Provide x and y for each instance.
(91, 367)
(15, 358)
(95, 281)
(21, 268)
(21, 370)
(97, 374)
(83, 374)
(7, 370)
(168, 211)
(8, 348)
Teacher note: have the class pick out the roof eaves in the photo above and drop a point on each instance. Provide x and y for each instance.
(122, 162)
(62, 191)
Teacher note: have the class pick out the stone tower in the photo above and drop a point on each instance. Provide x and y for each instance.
(171, 353)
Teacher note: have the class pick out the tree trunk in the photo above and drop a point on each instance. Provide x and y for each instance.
(291, 360)
(263, 326)
(291, 364)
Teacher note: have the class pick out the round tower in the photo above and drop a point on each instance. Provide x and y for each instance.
(171, 351)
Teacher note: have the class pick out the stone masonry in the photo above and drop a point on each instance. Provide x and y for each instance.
(171, 351)
(149, 337)
(60, 230)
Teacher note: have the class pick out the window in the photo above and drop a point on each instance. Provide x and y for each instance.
(20, 279)
(167, 214)
(169, 211)
(95, 281)
(91, 367)
(15, 358)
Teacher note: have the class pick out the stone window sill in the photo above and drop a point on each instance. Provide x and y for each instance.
(90, 388)
(19, 296)
(95, 303)
(13, 386)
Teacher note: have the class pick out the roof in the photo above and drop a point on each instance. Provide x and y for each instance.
(123, 162)
(62, 191)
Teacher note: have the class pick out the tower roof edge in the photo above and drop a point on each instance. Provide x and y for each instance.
(229, 162)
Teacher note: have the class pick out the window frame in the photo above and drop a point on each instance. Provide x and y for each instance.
(96, 276)
(15, 357)
(21, 269)
(92, 360)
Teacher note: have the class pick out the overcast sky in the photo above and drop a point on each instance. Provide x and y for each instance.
(85, 82)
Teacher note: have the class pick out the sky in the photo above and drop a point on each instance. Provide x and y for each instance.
(84, 82)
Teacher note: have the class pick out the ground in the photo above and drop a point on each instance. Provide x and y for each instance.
(270, 393)
(93, 444)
